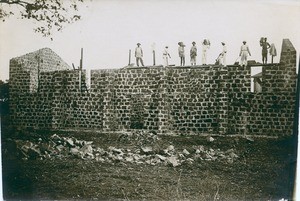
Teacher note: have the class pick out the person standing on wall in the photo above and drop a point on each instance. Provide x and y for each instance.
(205, 47)
(273, 51)
(166, 56)
(244, 54)
(222, 60)
(193, 53)
(139, 55)
(181, 53)
(265, 46)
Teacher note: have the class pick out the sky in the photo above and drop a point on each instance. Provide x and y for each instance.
(109, 29)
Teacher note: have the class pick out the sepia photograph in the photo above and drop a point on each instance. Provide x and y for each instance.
(149, 100)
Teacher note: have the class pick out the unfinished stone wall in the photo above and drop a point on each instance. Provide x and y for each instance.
(272, 110)
(281, 78)
(130, 97)
(209, 99)
(24, 71)
(265, 114)
(29, 108)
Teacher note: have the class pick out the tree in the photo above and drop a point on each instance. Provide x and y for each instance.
(4, 97)
(51, 14)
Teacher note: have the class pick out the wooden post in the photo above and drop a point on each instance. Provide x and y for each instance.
(39, 66)
(153, 57)
(153, 53)
(129, 57)
(81, 58)
(80, 69)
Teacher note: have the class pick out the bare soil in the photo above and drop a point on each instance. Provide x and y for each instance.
(262, 171)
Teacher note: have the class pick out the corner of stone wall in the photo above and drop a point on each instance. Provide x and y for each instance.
(288, 59)
(109, 119)
(163, 103)
(281, 77)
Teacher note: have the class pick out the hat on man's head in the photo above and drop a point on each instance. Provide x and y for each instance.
(244, 41)
(167, 47)
(179, 43)
(193, 42)
(223, 43)
(138, 43)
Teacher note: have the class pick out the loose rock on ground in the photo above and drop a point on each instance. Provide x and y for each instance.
(59, 147)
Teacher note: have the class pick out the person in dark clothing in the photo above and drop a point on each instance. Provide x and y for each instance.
(265, 46)
(193, 53)
(181, 53)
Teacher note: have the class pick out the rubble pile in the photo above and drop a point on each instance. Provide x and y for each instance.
(70, 147)
(140, 136)
(55, 146)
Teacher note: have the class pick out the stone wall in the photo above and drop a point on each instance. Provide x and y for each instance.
(281, 77)
(24, 71)
(202, 99)
(30, 106)
(261, 113)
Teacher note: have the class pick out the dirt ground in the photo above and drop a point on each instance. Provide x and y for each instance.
(261, 170)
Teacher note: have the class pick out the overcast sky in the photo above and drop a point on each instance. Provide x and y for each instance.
(108, 30)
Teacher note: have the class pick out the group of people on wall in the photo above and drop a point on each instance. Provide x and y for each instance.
(221, 60)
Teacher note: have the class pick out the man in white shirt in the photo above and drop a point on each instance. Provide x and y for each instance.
(205, 47)
(222, 58)
(244, 54)
(166, 56)
(139, 55)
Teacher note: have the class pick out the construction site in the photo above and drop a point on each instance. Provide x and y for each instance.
(195, 132)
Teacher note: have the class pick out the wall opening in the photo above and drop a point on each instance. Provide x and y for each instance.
(256, 79)
(137, 113)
